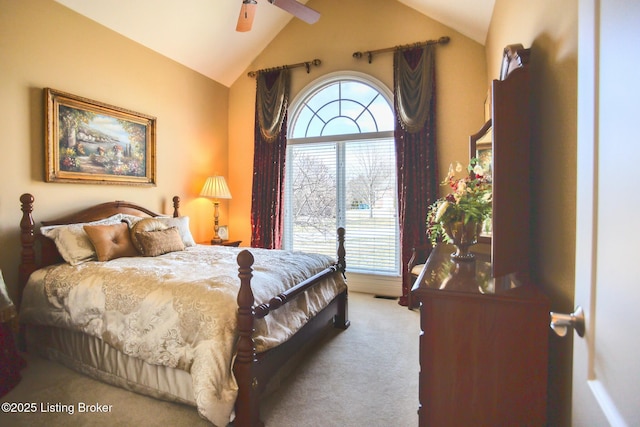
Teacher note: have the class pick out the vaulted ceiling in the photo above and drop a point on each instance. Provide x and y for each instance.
(198, 33)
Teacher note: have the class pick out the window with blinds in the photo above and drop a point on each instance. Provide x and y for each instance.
(341, 173)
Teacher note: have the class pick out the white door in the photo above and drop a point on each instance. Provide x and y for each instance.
(606, 368)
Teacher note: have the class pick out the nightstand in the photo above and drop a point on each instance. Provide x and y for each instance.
(235, 243)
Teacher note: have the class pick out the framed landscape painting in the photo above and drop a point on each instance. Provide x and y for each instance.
(95, 143)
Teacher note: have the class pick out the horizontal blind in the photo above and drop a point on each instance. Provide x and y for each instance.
(349, 184)
(312, 197)
(370, 215)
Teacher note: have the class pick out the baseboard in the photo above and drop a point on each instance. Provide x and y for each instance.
(388, 286)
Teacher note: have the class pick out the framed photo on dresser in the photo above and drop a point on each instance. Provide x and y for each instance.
(223, 232)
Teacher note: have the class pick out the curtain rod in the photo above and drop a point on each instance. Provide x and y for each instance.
(307, 65)
(370, 53)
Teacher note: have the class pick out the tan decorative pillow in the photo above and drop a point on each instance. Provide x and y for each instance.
(160, 242)
(111, 241)
(147, 224)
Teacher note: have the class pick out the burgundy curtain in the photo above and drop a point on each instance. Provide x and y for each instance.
(270, 144)
(415, 139)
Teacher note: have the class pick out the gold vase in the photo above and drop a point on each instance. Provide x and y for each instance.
(463, 237)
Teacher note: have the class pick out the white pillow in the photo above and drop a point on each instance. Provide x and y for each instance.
(73, 242)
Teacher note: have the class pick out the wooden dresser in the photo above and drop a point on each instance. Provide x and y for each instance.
(483, 345)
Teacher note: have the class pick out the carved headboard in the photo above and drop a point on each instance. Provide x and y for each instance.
(38, 251)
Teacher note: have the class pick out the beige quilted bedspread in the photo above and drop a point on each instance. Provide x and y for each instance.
(179, 309)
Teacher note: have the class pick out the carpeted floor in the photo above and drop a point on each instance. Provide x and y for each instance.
(364, 376)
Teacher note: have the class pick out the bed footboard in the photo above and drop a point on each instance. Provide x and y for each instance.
(253, 371)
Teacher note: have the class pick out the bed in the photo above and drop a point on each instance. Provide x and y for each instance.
(208, 326)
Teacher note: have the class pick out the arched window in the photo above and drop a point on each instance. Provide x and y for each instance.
(341, 172)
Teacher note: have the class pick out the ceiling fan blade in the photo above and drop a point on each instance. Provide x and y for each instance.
(247, 13)
(298, 10)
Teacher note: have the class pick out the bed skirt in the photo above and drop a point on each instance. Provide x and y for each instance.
(96, 359)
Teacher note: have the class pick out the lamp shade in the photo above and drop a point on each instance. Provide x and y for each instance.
(215, 188)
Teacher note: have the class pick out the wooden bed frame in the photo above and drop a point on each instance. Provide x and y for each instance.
(252, 370)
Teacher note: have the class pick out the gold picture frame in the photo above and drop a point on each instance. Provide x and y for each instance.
(92, 142)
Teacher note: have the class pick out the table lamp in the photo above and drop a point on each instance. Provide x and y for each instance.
(215, 188)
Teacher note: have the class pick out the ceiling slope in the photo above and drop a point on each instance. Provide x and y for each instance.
(198, 33)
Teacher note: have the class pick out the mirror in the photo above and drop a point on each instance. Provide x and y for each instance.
(481, 147)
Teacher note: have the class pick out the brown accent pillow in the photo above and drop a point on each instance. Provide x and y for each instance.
(147, 224)
(160, 242)
(111, 241)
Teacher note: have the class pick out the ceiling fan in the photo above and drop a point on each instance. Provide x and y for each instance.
(299, 10)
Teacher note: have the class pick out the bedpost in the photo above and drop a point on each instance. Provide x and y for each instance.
(341, 320)
(27, 254)
(176, 206)
(247, 403)
(342, 263)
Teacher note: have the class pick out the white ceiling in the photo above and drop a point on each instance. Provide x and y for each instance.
(198, 33)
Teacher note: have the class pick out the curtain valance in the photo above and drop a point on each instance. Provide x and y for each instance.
(272, 100)
(413, 68)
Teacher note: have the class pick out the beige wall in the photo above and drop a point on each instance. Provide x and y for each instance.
(43, 44)
(550, 29)
(347, 27)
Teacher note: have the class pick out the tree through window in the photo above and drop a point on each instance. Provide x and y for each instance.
(341, 173)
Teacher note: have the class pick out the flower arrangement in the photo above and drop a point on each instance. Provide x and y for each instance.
(470, 200)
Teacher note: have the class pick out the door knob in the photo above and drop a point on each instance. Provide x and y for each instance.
(560, 322)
